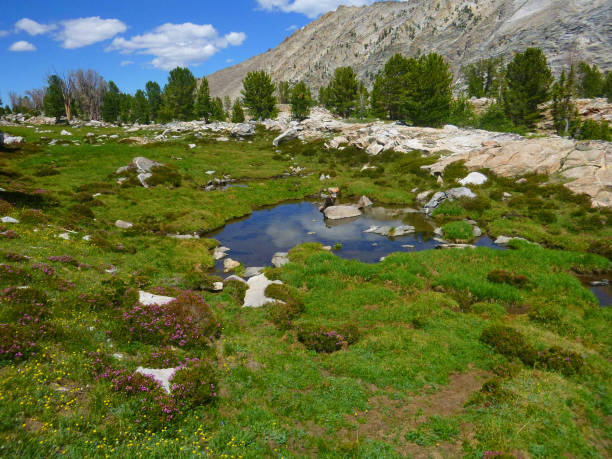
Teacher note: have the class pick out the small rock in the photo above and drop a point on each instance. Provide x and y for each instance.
(230, 265)
(160, 375)
(65, 236)
(473, 178)
(253, 271)
(255, 295)
(65, 132)
(149, 299)
(364, 201)
(118, 356)
(600, 283)
(477, 231)
(220, 252)
(9, 220)
(338, 212)
(123, 224)
(218, 286)
(327, 248)
(279, 259)
(210, 172)
(286, 136)
(192, 145)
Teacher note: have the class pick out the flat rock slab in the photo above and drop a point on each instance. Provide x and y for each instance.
(255, 295)
(149, 299)
(338, 212)
(253, 271)
(160, 375)
(220, 252)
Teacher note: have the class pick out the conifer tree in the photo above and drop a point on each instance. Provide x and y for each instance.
(154, 99)
(203, 104)
(237, 112)
(53, 101)
(178, 96)
(591, 81)
(140, 107)
(301, 101)
(565, 115)
(258, 95)
(110, 103)
(527, 85)
(343, 92)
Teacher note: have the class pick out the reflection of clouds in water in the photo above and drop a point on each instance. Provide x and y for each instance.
(289, 233)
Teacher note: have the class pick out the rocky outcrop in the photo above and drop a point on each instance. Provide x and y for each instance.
(463, 31)
(339, 212)
(585, 166)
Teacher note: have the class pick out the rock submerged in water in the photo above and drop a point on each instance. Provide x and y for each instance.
(339, 212)
(230, 265)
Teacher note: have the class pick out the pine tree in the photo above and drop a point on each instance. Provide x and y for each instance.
(140, 107)
(363, 102)
(110, 103)
(217, 113)
(301, 101)
(284, 92)
(343, 92)
(591, 81)
(227, 103)
(126, 108)
(565, 115)
(428, 95)
(53, 101)
(483, 78)
(258, 95)
(203, 104)
(237, 113)
(390, 87)
(527, 85)
(178, 95)
(154, 99)
(608, 86)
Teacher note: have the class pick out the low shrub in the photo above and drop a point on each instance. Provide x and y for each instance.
(165, 357)
(458, 231)
(324, 339)
(79, 212)
(283, 312)
(475, 206)
(5, 207)
(46, 171)
(14, 257)
(500, 276)
(510, 343)
(17, 342)
(28, 304)
(194, 383)
(488, 310)
(187, 321)
(65, 259)
(12, 275)
(566, 362)
(450, 209)
(236, 289)
(491, 393)
(164, 175)
(602, 247)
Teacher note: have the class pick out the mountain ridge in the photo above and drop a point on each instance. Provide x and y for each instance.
(462, 31)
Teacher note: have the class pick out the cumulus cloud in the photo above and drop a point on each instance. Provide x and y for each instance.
(310, 8)
(22, 46)
(32, 27)
(173, 45)
(76, 33)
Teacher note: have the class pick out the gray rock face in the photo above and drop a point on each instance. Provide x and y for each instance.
(253, 271)
(289, 134)
(464, 31)
(255, 295)
(338, 212)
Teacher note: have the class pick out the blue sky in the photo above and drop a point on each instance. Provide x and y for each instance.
(133, 41)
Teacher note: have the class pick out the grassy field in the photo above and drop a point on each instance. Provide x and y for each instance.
(444, 353)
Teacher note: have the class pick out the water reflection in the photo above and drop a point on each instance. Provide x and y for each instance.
(254, 240)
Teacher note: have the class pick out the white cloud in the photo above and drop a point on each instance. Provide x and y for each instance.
(77, 33)
(126, 63)
(22, 46)
(310, 8)
(229, 61)
(175, 45)
(32, 27)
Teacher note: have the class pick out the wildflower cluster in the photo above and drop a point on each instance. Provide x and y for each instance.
(186, 321)
(45, 268)
(15, 257)
(193, 384)
(33, 216)
(324, 339)
(13, 275)
(67, 259)
(22, 322)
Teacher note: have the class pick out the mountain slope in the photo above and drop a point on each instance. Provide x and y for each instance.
(463, 31)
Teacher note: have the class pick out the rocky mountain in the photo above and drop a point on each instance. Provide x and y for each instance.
(461, 30)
